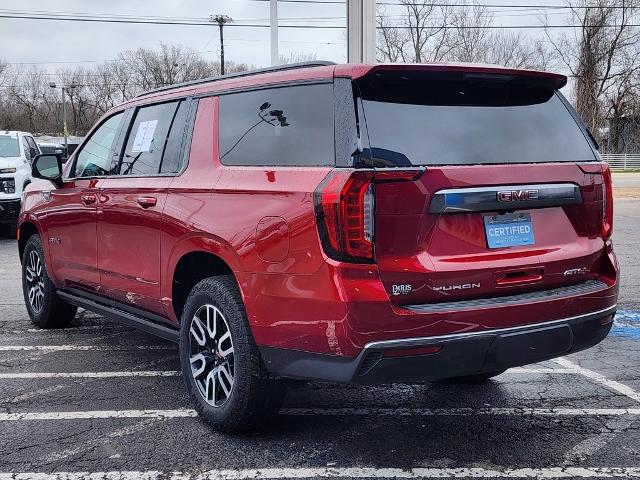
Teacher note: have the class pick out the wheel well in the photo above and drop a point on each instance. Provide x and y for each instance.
(192, 268)
(27, 229)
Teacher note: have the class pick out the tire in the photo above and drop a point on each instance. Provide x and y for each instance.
(45, 308)
(227, 381)
(473, 379)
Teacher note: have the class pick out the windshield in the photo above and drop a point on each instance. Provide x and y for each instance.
(9, 146)
(463, 121)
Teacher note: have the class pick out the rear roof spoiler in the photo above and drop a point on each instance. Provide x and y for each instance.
(553, 80)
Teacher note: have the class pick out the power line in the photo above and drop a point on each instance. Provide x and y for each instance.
(467, 5)
(332, 27)
(497, 5)
(152, 22)
(326, 2)
(114, 60)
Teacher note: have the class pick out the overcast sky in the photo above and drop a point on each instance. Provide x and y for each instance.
(55, 41)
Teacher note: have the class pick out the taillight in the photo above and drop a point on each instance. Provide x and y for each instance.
(345, 212)
(607, 204)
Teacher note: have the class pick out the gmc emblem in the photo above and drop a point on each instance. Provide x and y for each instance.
(516, 195)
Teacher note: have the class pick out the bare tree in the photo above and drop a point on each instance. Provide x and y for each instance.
(471, 40)
(4, 66)
(428, 31)
(28, 103)
(391, 38)
(421, 34)
(515, 50)
(600, 55)
(171, 64)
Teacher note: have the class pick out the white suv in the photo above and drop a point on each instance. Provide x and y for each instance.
(17, 151)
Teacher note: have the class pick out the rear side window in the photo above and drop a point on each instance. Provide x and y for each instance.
(287, 126)
(147, 139)
(463, 120)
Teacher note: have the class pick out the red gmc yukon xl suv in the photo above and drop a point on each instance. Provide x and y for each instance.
(349, 223)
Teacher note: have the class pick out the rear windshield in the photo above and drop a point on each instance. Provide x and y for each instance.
(459, 119)
(9, 146)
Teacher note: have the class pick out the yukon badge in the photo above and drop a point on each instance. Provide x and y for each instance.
(516, 195)
(462, 286)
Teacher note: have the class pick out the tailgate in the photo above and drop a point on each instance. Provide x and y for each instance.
(510, 199)
(434, 234)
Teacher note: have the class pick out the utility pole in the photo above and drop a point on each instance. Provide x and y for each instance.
(65, 131)
(221, 20)
(273, 10)
(361, 31)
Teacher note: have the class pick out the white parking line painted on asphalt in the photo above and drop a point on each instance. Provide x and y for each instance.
(611, 428)
(91, 444)
(541, 370)
(130, 373)
(68, 330)
(399, 412)
(173, 373)
(84, 348)
(601, 379)
(339, 472)
(331, 412)
(96, 414)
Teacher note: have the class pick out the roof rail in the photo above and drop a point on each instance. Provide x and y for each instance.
(279, 68)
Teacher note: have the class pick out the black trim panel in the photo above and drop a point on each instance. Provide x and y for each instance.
(143, 321)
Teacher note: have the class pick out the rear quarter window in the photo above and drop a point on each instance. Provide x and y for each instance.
(286, 126)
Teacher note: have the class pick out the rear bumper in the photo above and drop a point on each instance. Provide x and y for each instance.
(9, 211)
(460, 354)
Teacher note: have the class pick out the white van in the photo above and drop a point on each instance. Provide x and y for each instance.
(17, 151)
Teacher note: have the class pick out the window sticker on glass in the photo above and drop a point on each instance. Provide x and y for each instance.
(144, 136)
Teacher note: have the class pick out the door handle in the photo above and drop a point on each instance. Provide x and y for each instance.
(146, 202)
(89, 199)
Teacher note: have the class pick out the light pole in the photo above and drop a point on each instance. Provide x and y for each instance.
(221, 20)
(273, 17)
(361, 31)
(64, 89)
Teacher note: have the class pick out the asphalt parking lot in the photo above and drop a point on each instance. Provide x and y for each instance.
(103, 399)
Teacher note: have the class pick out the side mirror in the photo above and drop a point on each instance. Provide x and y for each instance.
(48, 167)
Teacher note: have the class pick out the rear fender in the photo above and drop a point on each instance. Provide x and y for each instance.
(205, 243)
